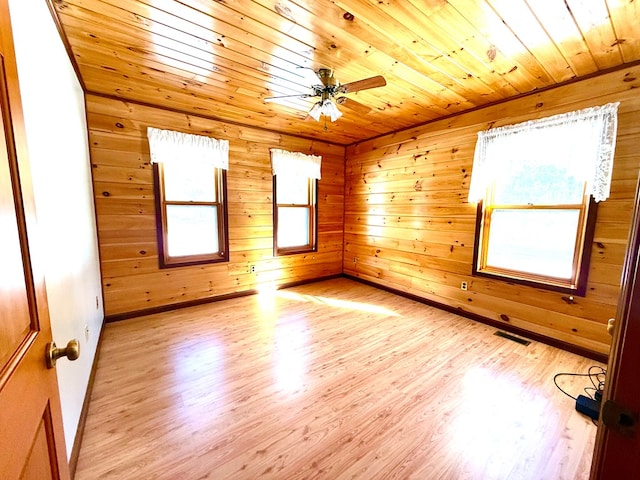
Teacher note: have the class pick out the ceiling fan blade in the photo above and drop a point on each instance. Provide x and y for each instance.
(309, 75)
(372, 82)
(353, 105)
(299, 95)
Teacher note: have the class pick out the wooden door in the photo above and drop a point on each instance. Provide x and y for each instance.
(617, 454)
(31, 435)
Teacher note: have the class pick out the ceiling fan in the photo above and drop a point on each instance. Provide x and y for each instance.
(328, 92)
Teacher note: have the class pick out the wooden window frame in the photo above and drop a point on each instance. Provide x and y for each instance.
(577, 285)
(167, 261)
(311, 206)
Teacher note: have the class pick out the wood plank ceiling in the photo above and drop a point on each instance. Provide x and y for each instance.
(222, 58)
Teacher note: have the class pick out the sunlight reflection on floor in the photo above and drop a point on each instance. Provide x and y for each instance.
(291, 356)
(201, 364)
(495, 419)
(291, 334)
(334, 302)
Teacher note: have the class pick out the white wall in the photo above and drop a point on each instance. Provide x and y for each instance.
(55, 120)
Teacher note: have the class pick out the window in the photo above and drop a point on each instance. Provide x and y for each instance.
(533, 183)
(294, 214)
(190, 189)
(295, 185)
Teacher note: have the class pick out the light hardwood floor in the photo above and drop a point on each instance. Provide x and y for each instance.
(331, 380)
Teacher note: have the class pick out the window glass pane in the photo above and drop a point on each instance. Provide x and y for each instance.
(192, 230)
(195, 183)
(292, 190)
(534, 241)
(538, 185)
(293, 227)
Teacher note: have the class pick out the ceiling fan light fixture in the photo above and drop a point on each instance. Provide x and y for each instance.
(316, 111)
(325, 107)
(330, 110)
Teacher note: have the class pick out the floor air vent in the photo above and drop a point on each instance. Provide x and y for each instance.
(508, 336)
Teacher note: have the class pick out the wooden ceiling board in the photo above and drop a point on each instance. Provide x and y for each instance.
(511, 69)
(485, 85)
(560, 26)
(244, 67)
(592, 17)
(366, 54)
(525, 26)
(221, 59)
(474, 55)
(503, 40)
(625, 20)
(192, 66)
(430, 62)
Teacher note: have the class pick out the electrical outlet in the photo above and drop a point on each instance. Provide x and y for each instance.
(252, 269)
(86, 333)
(463, 286)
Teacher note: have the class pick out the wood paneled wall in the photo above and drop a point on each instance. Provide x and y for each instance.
(123, 188)
(408, 225)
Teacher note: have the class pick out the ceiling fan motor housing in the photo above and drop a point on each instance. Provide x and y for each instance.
(326, 76)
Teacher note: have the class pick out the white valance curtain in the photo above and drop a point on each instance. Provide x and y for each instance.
(167, 146)
(580, 143)
(295, 164)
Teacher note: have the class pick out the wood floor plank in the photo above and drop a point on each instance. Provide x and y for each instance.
(331, 380)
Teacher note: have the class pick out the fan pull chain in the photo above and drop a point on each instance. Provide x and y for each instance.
(325, 123)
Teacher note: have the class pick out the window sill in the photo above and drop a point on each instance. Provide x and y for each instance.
(188, 261)
(279, 252)
(536, 281)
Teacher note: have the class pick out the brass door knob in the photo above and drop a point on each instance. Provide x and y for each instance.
(71, 351)
(611, 325)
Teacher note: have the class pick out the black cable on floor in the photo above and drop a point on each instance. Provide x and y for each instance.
(596, 375)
